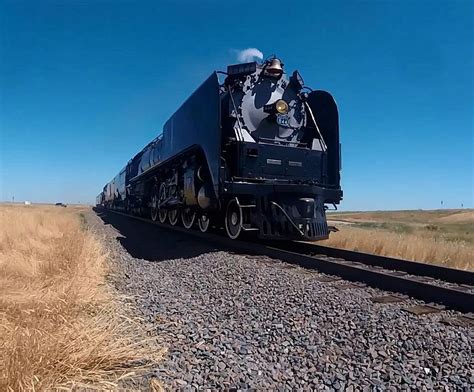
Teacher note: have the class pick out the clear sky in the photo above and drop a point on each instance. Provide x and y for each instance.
(86, 84)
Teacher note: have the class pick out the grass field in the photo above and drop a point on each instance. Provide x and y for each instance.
(60, 326)
(439, 236)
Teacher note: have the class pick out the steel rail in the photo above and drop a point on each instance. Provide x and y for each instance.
(411, 267)
(376, 275)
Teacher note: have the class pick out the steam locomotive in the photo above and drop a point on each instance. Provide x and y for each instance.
(254, 150)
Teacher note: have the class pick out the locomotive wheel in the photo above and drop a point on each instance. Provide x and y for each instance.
(233, 219)
(204, 223)
(173, 216)
(162, 213)
(154, 211)
(187, 217)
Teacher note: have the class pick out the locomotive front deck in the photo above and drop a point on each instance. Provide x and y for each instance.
(283, 211)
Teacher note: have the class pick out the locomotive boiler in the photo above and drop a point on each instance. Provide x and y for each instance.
(255, 151)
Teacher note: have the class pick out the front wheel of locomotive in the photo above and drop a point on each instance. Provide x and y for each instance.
(162, 213)
(173, 216)
(187, 217)
(233, 219)
(204, 223)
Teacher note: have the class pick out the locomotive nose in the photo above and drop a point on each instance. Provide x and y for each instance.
(305, 206)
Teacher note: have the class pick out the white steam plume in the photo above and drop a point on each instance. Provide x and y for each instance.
(249, 54)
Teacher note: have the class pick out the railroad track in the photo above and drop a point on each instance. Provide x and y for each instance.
(438, 286)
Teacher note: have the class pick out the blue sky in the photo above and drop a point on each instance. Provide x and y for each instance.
(86, 84)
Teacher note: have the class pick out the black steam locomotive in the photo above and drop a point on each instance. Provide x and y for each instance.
(258, 152)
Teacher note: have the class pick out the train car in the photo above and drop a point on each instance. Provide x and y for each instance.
(99, 200)
(258, 152)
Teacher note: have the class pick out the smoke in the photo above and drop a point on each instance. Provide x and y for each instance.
(249, 54)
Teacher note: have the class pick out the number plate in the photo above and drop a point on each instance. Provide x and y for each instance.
(283, 120)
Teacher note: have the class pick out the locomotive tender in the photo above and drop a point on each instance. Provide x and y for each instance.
(258, 152)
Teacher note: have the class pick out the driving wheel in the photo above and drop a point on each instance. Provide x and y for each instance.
(154, 204)
(173, 216)
(162, 213)
(187, 217)
(204, 223)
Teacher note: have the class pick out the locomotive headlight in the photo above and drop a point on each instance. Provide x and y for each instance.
(281, 106)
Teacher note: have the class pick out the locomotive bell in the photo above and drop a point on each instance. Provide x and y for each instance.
(275, 67)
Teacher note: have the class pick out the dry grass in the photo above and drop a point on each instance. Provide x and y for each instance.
(59, 324)
(441, 237)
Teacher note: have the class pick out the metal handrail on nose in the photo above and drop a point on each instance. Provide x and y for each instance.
(288, 217)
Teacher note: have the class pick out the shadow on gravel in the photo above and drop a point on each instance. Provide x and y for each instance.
(145, 241)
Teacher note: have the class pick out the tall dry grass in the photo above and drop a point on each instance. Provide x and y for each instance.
(406, 246)
(59, 324)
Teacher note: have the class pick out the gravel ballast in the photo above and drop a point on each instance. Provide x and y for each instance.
(236, 321)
